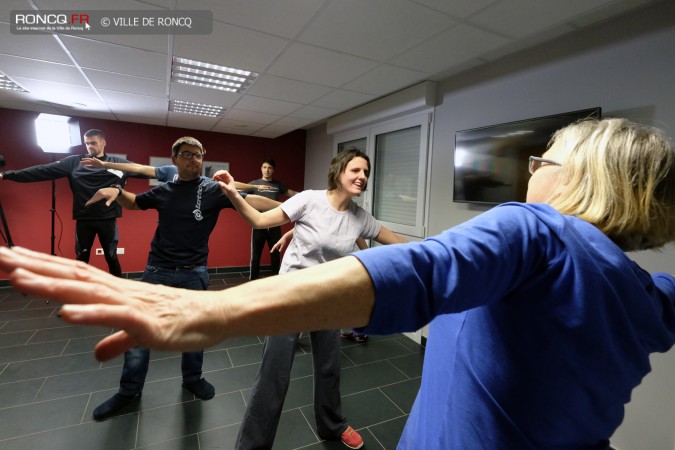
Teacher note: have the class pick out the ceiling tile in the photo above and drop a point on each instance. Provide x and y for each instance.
(385, 79)
(456, 46)
(519, 18)
(44, 48)
(319, 66)
(283, 18)
(457, 8)
(60, 93)
(16, 67)
(125, 83)
(314, 112)
(128, 103)
(235, 127)
(231, 46)
(380, 29)
(264, 105)
(293, 122)
(251, 116)
(341, 99)
(117, 58)
(269, 86)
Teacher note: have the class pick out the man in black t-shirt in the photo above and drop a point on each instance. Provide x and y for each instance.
(188, 209)
(274, 190)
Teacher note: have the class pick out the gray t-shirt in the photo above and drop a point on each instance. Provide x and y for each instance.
(323, 233)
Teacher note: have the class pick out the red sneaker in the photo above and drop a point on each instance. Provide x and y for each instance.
(351, 438)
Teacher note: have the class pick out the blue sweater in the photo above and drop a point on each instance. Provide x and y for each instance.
(540, 328)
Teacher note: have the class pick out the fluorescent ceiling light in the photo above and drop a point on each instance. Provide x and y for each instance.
(8, 84)
(55, 133)
(212, 76)
(199, 109)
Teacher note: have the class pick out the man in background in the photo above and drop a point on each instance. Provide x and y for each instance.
(272, 189)
(90, 221)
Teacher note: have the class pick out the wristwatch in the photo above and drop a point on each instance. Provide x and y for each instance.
(118, 187)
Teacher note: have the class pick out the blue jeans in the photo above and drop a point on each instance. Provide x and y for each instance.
(137, 360)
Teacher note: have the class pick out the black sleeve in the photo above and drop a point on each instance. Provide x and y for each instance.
(51, 171)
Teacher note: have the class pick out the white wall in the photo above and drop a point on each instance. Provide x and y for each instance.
(626, 66)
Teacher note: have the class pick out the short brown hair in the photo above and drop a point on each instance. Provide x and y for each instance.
(189, 141)
(339, 164)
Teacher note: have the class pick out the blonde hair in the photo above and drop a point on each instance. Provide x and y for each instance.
(188, 141)
(619, 176)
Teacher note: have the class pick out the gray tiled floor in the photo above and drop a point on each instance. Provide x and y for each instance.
(50, 383)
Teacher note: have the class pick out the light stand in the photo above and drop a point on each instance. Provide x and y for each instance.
(56, 134)
(53, 210)
(6, 236)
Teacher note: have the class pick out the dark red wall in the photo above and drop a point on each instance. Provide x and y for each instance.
(27, 205)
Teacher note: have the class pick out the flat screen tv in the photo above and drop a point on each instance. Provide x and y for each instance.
(491, 162)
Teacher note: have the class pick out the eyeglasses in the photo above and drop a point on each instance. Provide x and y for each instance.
(536, 163)
(190, 155)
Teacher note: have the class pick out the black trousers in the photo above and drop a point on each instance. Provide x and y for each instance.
(258, 239)
(106, 229)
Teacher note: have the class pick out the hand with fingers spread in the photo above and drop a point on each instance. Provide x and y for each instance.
(151, 316)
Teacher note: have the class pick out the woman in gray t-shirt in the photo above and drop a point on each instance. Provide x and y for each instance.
(327, 223)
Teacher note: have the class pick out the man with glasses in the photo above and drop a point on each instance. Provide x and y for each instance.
(188, 210)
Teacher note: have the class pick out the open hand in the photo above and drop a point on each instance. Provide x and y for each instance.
(148, 315)
(110, 194)
(92, 162)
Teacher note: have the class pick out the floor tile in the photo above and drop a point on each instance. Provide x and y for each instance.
(36, 417)
(20, 392)
(403, 393)
(369, 376)
(170, 422)
(388, 433)
(29, 352)
(46, 367)
(50, 383)
(108, 435)
(16, 338)
(69, 332)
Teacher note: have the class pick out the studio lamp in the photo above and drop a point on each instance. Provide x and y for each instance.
(56, 134)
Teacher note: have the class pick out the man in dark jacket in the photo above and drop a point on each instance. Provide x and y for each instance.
(97, 219)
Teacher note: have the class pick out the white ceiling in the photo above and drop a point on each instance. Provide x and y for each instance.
(316, 58)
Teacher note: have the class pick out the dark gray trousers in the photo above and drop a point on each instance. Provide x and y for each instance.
(266, 401)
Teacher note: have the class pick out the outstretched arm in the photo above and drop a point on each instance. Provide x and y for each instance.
(337, 294)
(148, 171)
(272, 218)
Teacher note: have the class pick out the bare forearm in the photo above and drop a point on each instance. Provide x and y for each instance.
(148, 171)
(127, 200)
(337, 294)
